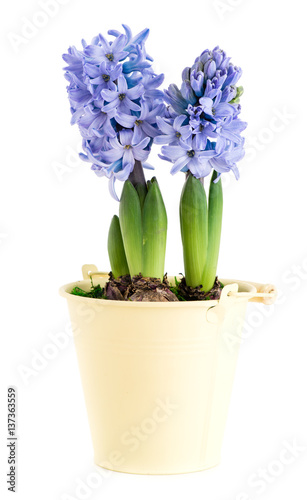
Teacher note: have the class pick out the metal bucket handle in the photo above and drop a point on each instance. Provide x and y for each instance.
(266, 293)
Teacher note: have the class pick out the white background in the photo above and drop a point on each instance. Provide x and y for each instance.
(51, 223)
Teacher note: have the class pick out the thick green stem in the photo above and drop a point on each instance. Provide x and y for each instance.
(117, 256)
(154, 233)
(130, 218)
(137, 175)
(215, 213)
(194, 230)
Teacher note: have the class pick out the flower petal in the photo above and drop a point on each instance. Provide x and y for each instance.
(125, 137)
(131, 105)
(128, 158)
(135, 92)
(91, 70)
(111, 105)
(179, 164)
(165, 127)
(125, 120)
(119, 43)
(112, 188)
(207, 154)
(179, 121)
(141, 144)
(109, 95)
(148, 166)
(140, 154)
(199, 168)
(149, 129)
(164, 139)
(122, 85)
(112, 155)
(93, 159)
(173, 152)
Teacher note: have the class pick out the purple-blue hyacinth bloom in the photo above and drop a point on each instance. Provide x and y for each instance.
(144, 123)
(106, 51)
(121, 97)
(102, 76)
(114, 98)
(174, 97)
(197, 82)
(151, 82)
(95, 123)
(208, 101)
(229, 133)
(215, 109)
(128, 150)
(228, 158)
(202, 131)
(137, 61)
(186, 156)
(74, 59)
(173, 132)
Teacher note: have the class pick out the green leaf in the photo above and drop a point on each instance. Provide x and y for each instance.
(130, 219)
(215, 214)
(240, 91)
(78, 291)
(154, 233)
(96, 292)
(142, 192)
(194, 230)
(116, 249)
(236, 98)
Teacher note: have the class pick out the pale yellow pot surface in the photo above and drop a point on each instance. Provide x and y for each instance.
(157, 377)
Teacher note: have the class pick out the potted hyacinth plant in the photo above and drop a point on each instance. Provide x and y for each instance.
(141, 336)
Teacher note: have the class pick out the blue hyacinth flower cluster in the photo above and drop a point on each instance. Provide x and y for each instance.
(203, 130)
(114, 98)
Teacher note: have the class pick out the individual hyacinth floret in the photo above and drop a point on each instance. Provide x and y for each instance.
(203, 131)
(114, 98)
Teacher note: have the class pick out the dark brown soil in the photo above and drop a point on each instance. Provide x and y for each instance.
(188, 293)
(139, 289)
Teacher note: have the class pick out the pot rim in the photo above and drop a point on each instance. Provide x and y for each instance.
(247, 289)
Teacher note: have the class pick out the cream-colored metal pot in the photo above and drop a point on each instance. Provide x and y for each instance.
(157, 377)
